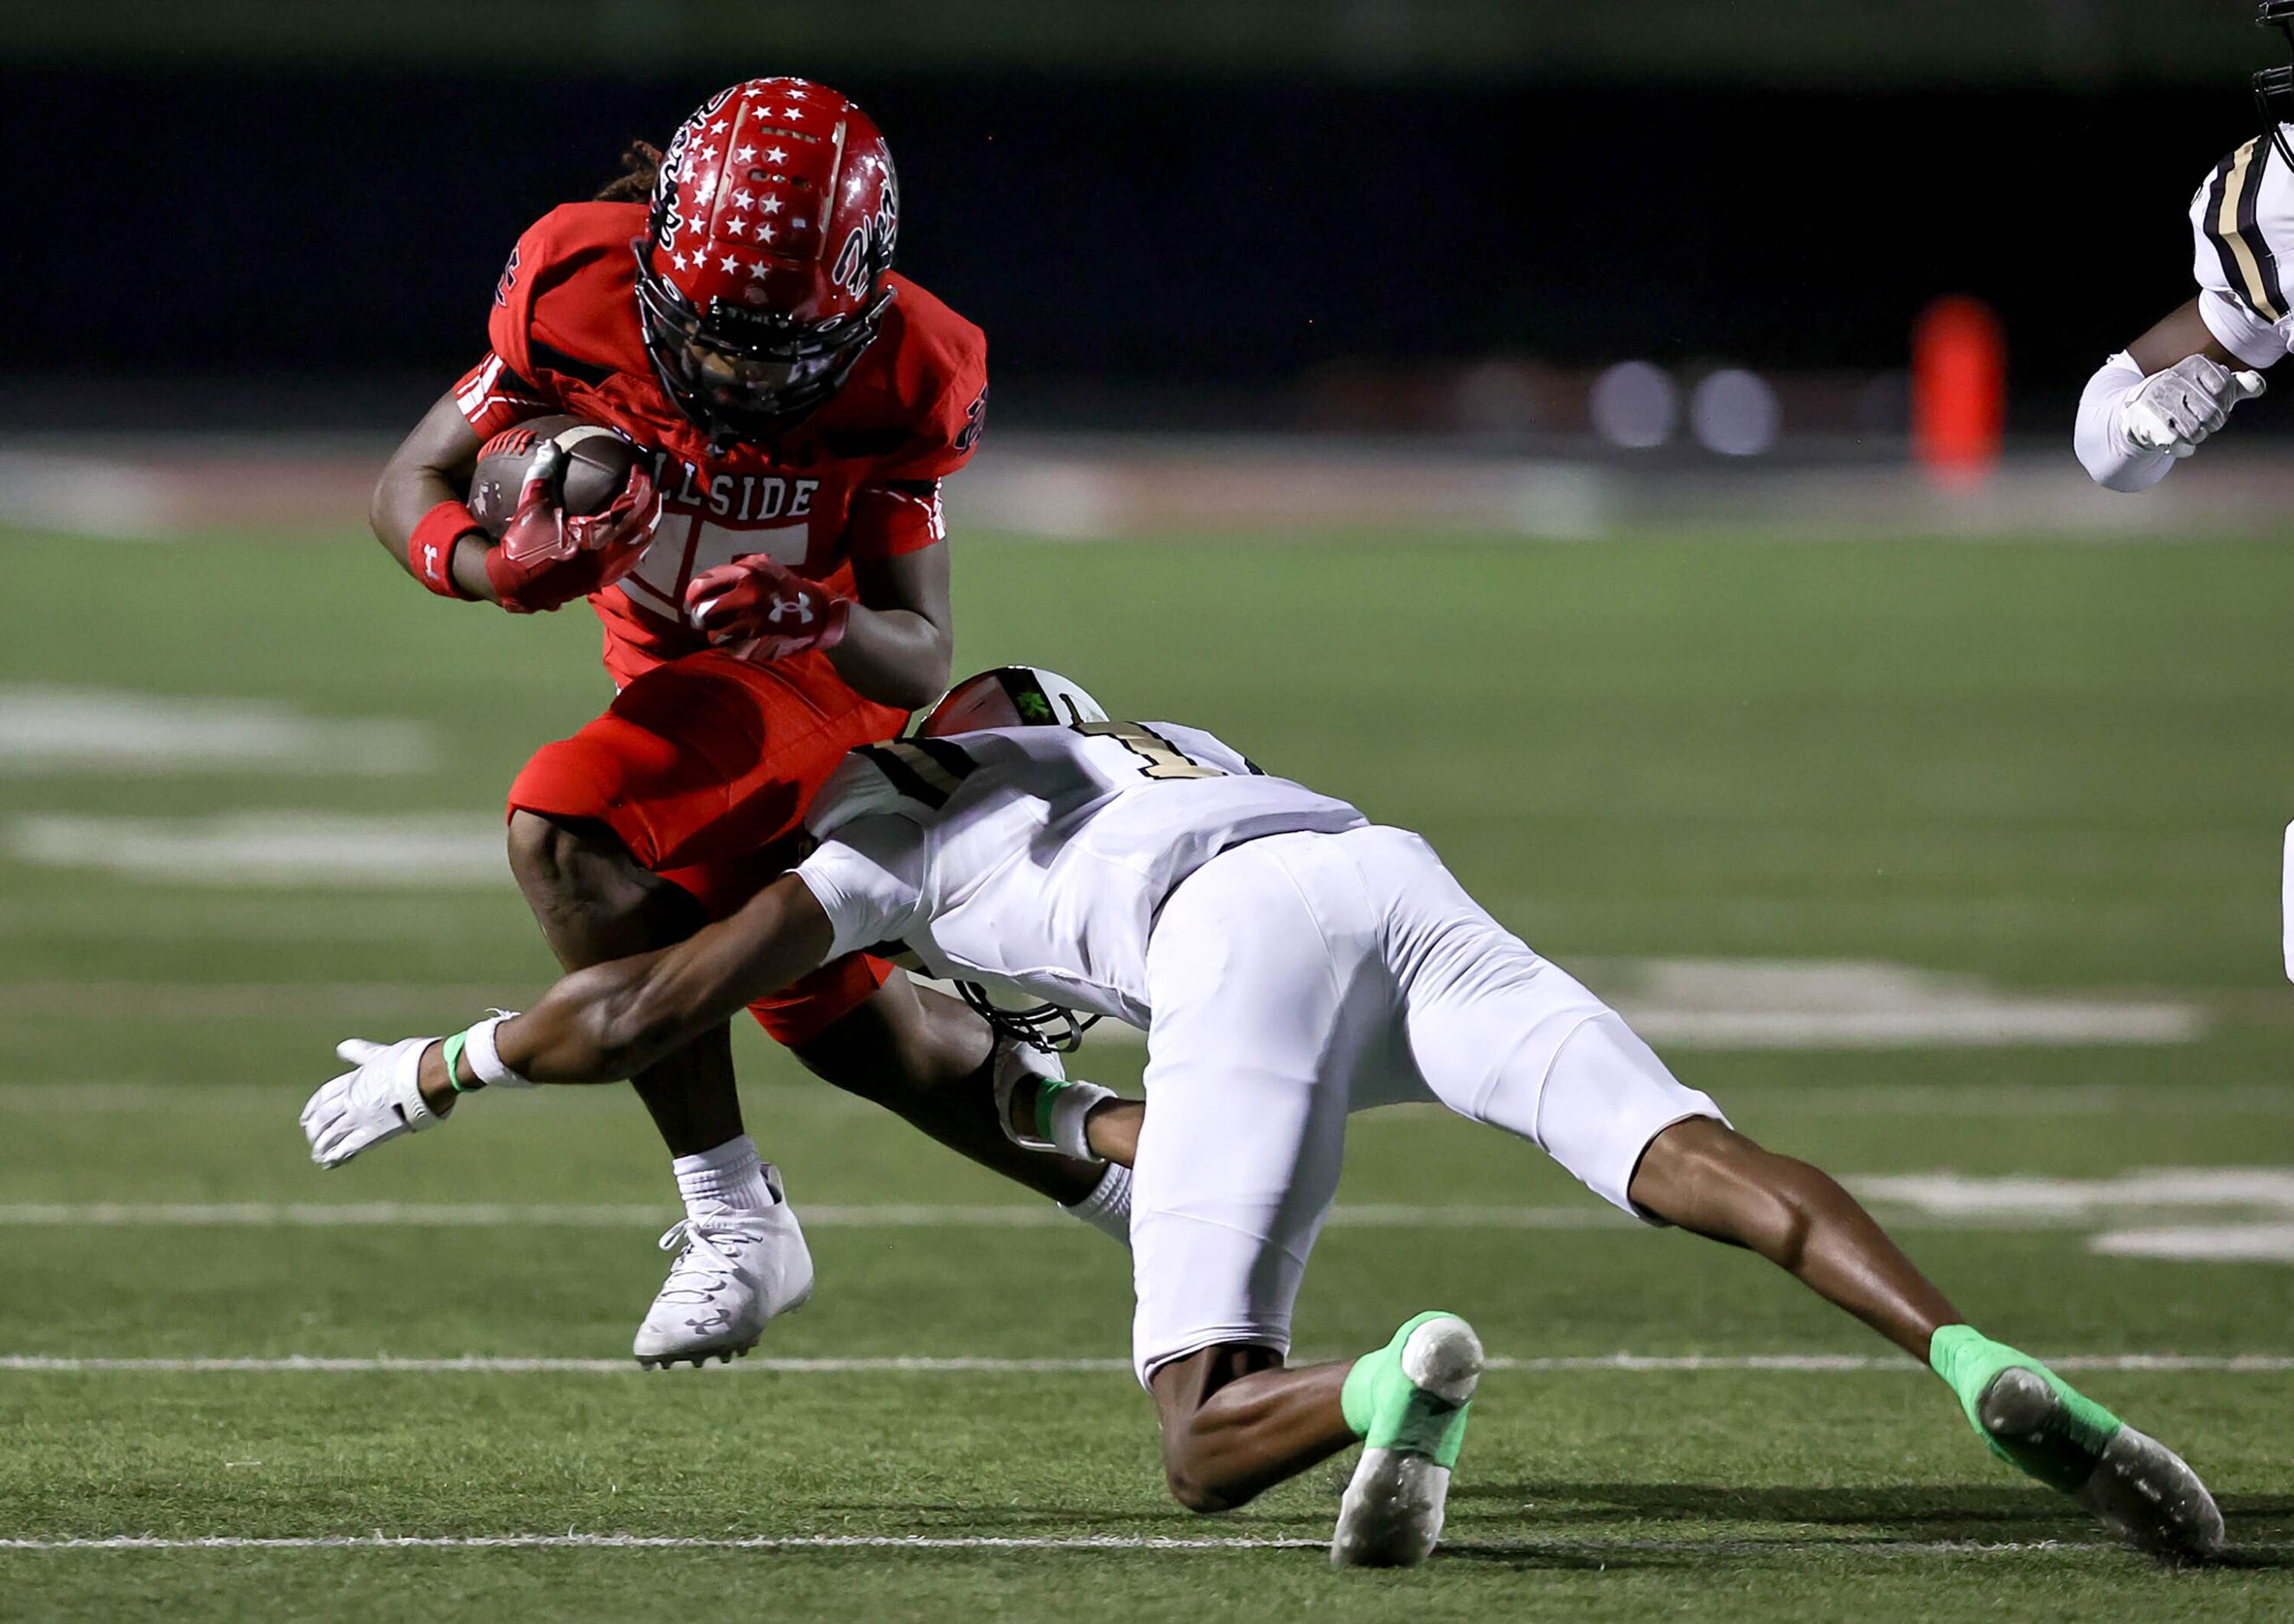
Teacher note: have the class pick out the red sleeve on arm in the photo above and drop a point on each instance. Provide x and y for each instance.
(898, 510)
(492, 398)
(894, 516)
(500, 390)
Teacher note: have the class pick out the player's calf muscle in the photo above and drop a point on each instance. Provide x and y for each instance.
(589, 896)
(1236, 1422)
(1712, 1181)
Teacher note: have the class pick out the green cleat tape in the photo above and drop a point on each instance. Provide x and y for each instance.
(1389, 1411)
(2063, 1442)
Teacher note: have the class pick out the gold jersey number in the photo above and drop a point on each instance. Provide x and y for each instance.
(1164, 759)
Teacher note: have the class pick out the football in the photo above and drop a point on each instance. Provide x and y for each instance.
(597, 464)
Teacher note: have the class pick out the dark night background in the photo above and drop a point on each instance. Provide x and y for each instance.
(315, 235)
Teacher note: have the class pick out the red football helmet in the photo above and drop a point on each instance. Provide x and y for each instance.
(761, 275)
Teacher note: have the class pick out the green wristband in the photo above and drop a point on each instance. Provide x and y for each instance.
(454, 1047)
(1047, 1089)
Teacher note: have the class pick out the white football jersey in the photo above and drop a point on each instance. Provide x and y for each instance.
(2242, 231)
(1035, 858)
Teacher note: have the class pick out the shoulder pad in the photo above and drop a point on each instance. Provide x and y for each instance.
(565, 304)
(2241, 219)
(903, 778)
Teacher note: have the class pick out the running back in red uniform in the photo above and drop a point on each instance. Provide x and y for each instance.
(859, 478)
(704, 762)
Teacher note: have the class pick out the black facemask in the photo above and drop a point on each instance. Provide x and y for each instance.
(809, 362)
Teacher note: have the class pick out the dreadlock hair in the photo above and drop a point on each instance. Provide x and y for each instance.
(640, 165)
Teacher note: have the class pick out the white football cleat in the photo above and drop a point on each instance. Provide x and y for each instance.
(1422, 1385)
(735, 1273)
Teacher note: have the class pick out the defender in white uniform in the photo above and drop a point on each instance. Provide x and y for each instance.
(2165, 395)
(1292, 962)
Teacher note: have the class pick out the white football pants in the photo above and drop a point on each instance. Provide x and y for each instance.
(1299, 977)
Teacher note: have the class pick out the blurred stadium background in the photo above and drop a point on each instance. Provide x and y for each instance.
(1951, 866)
(1438, 264)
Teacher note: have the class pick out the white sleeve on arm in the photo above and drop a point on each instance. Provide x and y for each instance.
(869, 881)
(2114, 462)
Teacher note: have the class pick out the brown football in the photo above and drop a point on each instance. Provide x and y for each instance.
(597, 464)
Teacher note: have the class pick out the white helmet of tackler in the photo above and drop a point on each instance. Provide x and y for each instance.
(1009, 697)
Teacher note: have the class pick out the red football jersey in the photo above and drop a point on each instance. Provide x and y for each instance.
(859, 478)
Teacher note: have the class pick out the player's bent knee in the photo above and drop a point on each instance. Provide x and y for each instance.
(559, 861)
(1204, 1499)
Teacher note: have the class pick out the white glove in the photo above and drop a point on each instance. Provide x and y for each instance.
(379, 1101)
(2176, 410)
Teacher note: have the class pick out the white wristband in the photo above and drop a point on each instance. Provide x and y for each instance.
(486, 1059)
(1064, 1126)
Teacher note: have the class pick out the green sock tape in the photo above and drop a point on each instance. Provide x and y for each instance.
(1387, 1410)
(454, 1047)
(2066, 1451)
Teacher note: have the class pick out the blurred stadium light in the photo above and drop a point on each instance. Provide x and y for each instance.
(1635, 405)
(1735, 412)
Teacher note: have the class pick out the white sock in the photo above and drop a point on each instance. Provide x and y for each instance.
(731, 1176)
(1108, 1208)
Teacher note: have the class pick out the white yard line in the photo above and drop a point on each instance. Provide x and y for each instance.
(393, 1214)
(1956, 1101)
(406, 1003)
(2011, 1218)
(48, 732)
(1054, 1542)
(2202, 1243)
(1639, 1364)
(2143, 1189)
(1694, 1004)
(411, 851)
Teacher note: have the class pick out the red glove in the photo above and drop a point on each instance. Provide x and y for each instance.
(547, 557)
(761, 610)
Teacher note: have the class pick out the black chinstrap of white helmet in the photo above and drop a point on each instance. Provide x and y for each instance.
(2273, 87)
(813, 358)
(1046, 1026)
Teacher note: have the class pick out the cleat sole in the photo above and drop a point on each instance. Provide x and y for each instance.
(698, 1358)
(2142, 1491)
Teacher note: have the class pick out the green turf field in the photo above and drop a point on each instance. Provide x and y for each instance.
(2047, 781)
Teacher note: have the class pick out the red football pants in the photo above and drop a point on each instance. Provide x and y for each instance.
(704, 767)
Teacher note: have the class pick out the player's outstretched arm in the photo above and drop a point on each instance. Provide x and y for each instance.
(432, 466)
(598, 1024)
(2158, 400)
(613, 1020)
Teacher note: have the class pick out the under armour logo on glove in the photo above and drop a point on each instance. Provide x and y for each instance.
(761, 609)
